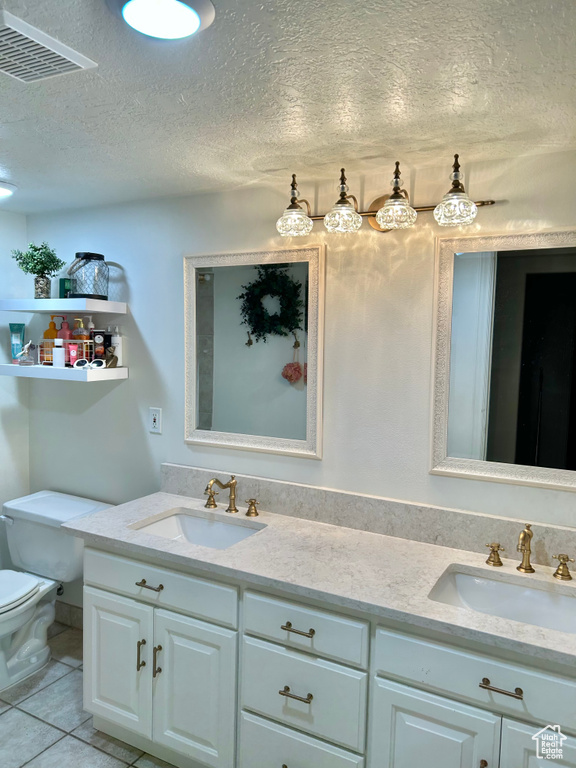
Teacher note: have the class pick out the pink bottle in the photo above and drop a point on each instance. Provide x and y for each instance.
(66, 334)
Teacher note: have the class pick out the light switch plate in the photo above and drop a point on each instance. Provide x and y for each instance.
(155, 421)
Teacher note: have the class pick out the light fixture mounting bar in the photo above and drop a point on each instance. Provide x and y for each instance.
(419, 208)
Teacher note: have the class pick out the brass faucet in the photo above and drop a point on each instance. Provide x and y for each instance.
(524, 546)
(210, 492)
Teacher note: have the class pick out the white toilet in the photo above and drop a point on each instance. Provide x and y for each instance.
(47, 556)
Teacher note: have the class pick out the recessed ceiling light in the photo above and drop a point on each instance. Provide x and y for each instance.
(6, 190)
(165, 19)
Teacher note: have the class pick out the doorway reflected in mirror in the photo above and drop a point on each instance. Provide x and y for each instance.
(513, 358)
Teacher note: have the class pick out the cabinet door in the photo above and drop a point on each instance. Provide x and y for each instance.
(409, 728)
(115, 686)
(520, 750)
(195, 691)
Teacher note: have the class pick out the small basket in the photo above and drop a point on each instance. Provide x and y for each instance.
(85, 350)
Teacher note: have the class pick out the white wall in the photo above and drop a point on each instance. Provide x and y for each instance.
(14, 475)
(379, 303)
(250, 395)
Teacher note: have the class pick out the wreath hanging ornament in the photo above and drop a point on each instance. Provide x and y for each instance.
(272, 280)
(293, 371)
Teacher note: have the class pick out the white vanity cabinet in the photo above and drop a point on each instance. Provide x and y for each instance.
(158, 674)
(407, 723)
(168, 656)
(411, 728)
(303, 671)
(519, 748)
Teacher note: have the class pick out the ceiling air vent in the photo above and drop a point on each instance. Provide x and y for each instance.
(29, 55)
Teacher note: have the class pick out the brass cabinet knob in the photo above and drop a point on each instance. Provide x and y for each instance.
(563, 572)
(252, 511)
(494, 556)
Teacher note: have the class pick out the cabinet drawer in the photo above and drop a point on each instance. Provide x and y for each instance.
(546, 698)
(335, 637)
(264, 744)
(197, 597)
(337, 710)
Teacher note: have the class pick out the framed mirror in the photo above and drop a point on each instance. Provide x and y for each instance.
(505, 359)
(254, 350)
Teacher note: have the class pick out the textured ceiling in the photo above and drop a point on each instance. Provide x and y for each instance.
(281, 86)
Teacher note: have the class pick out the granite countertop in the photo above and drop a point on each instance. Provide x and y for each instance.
(387, 577)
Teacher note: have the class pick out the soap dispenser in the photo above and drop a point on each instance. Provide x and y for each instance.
(79, 333)
(49, 335)
(51, 332)
(65, 333)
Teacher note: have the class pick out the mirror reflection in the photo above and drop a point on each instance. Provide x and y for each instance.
(251, 349)
(513, 357)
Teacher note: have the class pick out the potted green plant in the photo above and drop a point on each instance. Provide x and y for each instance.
(41, 261)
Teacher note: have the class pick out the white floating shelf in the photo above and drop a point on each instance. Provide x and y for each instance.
(63, 374)
(66, 306)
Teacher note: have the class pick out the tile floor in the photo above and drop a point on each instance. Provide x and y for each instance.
(43, 725)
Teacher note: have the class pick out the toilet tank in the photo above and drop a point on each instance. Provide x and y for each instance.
(36, 541)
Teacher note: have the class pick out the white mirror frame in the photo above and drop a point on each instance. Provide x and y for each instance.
(311, 447)
(442, 464)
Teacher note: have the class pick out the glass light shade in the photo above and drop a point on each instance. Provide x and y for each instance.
(455, 210)
(294, 222)
(343, 219)
(166, 19)
(396, 214)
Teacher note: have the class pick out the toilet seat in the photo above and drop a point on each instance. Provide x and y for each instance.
(16, 588)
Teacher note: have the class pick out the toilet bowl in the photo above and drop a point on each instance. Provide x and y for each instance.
(45, 556)
(23, 626)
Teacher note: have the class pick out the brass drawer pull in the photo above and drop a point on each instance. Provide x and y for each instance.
(155, 669)
(289, 628)
(286, 692)
(518, 692)
(483, 763)
(143, 584)
(139, 664)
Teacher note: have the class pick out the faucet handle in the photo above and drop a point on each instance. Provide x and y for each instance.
(494, 556)
(211, 503)
(563, 572)
(252, 511)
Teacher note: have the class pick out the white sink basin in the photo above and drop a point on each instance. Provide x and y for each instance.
(199, 527)
(531, 604)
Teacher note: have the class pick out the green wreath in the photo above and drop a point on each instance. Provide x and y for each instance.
(272, 280)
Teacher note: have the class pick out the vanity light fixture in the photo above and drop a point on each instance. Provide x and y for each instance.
(294, 222)
(397, 213)
(344, 216)
(6, 190)
(456, 207)
(165, 19)
(384, 214)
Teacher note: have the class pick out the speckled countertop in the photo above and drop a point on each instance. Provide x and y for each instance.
(387, 577)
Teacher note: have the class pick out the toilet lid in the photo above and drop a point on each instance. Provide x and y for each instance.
(16, 587)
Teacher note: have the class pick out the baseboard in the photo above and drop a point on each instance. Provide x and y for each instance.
(70, 615)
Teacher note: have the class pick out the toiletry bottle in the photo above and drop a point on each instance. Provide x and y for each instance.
(73, 352)
(66, 334)
(80, 334)
(16, 340)
(99, 346)
(59, 354)
(49, 334)
(117, 344)
(89, 325)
